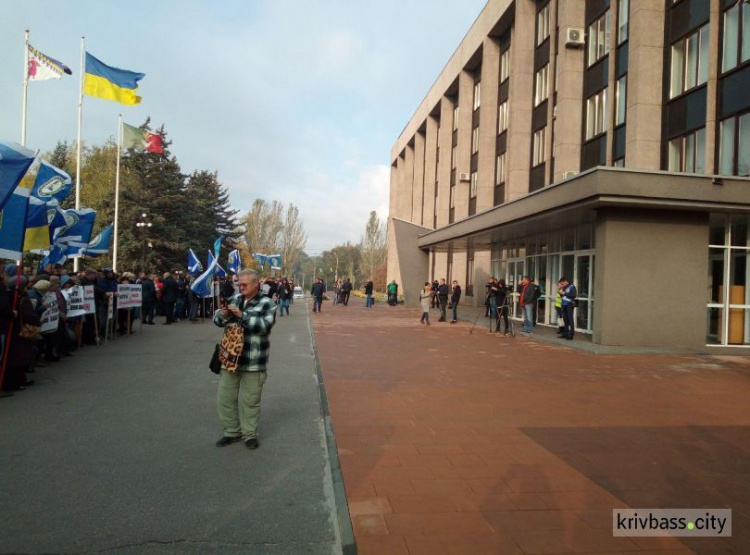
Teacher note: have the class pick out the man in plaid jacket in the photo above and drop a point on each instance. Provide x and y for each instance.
(257, 315)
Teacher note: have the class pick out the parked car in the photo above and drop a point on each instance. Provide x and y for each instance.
(298, 294)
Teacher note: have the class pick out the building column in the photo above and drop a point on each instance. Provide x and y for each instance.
(521, 98)
(645, 95)
(463, 164)
(418, 190)
(407, 208)
(430, 170)
(444, 166)
(488, 124)
(714, 70)
(569, 79)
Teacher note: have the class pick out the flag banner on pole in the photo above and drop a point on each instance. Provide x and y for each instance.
(100, 244)
(14, 162)
(111, 83)
(37, 226)
(78, 228)
(234, 263)
(220, 272)
(261, 258)
(55, 217)
(56, 255)
(194, 265)
(138, 139)
(274, 261)
(202, 286)
(43, 67)
(13, 223)
(51, 183)
(217, 248)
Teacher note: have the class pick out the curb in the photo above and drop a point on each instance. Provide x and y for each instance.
(348, 543)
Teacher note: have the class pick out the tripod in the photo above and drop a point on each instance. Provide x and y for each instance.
(479, 313)
(503, 310)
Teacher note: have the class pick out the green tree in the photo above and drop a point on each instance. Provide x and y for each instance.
(372, 246)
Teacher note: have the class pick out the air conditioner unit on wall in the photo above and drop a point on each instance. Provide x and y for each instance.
(464, 177)
(574, 37)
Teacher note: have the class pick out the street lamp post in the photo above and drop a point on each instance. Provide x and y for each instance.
(143, 224)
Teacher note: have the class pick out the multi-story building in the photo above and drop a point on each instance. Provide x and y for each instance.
(604, 140)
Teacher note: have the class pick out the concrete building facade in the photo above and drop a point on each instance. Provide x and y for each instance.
(607, 141)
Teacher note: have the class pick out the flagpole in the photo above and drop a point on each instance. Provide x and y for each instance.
(117, 191)
(78, 141)
(25, 88)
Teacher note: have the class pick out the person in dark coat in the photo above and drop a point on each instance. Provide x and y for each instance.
(148, 299)
(22, 351)
(169, 297)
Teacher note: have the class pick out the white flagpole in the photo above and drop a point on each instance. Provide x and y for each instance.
(117, 191)
(25, 88)
(80, 122)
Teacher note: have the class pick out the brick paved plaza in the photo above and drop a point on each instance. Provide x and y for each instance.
(459, 443)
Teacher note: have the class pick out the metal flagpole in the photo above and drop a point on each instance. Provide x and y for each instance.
(25, 88)
(117, 191)
(80, 122)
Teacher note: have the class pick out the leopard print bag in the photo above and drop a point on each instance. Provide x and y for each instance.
(231, 346)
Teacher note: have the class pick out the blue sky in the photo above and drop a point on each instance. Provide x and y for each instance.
(295, 101)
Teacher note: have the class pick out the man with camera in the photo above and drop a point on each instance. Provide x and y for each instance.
(256, 314)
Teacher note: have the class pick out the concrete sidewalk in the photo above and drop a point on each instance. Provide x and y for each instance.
(113, 451)
(458, 443)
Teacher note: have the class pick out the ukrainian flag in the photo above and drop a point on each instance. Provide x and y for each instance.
(111, 83)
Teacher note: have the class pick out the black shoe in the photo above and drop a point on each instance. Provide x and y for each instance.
(29, 382)
(150, 323)
(226, 440)
(569, 338)
(454, 321)
(252, 443)
(52, 358)
(167, 324)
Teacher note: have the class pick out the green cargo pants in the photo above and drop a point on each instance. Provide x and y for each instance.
(245, 387)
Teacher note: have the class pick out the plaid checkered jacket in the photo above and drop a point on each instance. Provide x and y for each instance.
(258, 317)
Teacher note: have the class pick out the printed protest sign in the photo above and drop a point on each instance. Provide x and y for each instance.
(129, 295)
(51, 316)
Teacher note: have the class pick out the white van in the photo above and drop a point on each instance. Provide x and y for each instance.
(298, 294)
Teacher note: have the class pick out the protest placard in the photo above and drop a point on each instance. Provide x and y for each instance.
(51, 316)
(129, 295)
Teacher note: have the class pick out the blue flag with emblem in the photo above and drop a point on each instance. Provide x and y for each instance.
(100, 244)
(274, 261)
(51, 183)
(14, 162)
(220, 272)
(56, 255)
(194, 265)
(77, 229)
(234, 264)
(203, 284)
(13, 223)
(261, 258)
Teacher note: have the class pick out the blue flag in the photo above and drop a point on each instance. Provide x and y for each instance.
(235, 263)
(55, 256)
(100, 244)
(51, 183)
(261, 258)
(220, 272)
(14, 162)
(203, 284)
(274, 261)
(13, 223)
(78, 228)
(194, 265)
(217, 248)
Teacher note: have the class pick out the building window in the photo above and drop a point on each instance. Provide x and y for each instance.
(622, 21)
(596, 114)
(473, 185)
(477, 95)
(736, 47)
(621, 93)
(542, 25)
(454, 157)
(538, 155)
(475, 140)
(689, 62)
(688, 152)
(500, 169)
(504, 65)
(619, 163)
(453, 197)
(455, 116)
(599, 39)
(734, 146)
(540, 90)
(502, 117)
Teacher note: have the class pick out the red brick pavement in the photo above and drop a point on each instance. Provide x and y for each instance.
(459, 443)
